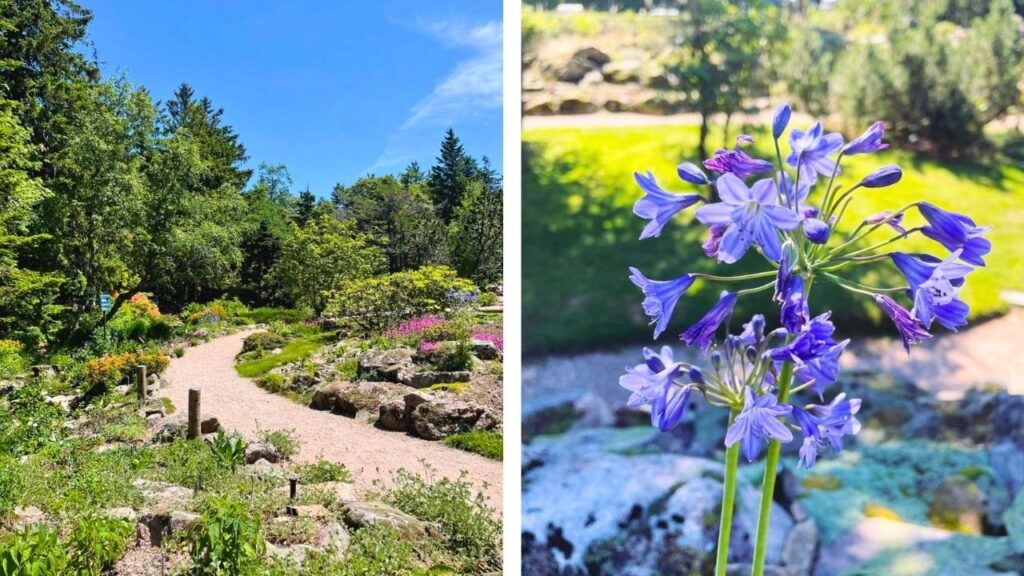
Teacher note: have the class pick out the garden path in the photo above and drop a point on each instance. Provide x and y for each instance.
(370, 454)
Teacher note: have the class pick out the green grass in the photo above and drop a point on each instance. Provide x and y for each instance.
(484, 442)
(580, 236)
(268, 315)
(294, 351)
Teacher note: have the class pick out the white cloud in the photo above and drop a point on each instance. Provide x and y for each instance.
(473, 86)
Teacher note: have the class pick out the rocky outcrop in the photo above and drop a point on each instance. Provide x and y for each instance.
(258, 450)
(397, 415)
(176, 426)
(441, 418)
(372, 513)
(395, 365)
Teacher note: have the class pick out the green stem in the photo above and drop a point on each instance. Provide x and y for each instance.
(752, 276)
(732, 458)
(771, 464)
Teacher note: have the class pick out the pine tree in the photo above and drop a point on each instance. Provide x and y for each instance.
(450, 176)
(304, 207)
(412, 176)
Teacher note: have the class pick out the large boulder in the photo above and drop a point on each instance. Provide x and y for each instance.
(486, 350)
(429, 378)
(259, 450)
(361, 514)
(443, 417)
(325, 397)
(365, 397)
(396, 414)
(393, 365)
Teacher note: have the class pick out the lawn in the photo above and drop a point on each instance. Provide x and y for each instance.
(298, 349)
(580, 236)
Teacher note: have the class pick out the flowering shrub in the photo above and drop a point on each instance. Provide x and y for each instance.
(757, 373)
(112, 370)
(489, 333)
(415, 326)
(138, 319)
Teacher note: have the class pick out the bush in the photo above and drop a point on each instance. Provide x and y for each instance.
(377, 550)
(138, 319)
(467, 523)
(448, 356)
(378, 303)
(483, 442)
(12, 362)
(227, 540)
(284, 441)
(228, 450)
(487, 299)
(10, 483)
(221, 310)
(273, 383)
(322, 471)
(112, 370)
(262, 341)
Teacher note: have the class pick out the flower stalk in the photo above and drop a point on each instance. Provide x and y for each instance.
(732, 460)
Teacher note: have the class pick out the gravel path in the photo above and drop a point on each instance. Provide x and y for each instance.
(370, 454)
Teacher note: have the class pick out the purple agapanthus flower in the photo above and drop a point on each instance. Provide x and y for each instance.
(753, 331)
(910, 328)
(896, 222)
(660, 296)
(658, 205)
(781, 119)
(753, 215)
(869, 141)
(826, 425)
(935, 288)
(814, 352)
(794, 196)
(787, 266)
(714, 240)
(702, 333)
(795, 313)
(646, 381)
(882, 177)
(956, 232)
(668, 407)
(757, 423)
(737, 162)
(689, 172)
(810, 151)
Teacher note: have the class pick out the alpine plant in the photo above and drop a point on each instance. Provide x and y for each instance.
(773, 381)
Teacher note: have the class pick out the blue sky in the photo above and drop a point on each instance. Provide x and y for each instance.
(334, 90)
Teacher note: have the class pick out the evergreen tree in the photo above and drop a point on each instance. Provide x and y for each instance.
(412, 176)
(450, 176)
(304, 207)
(261, 249)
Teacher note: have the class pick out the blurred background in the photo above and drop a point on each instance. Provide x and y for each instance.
(932, 484)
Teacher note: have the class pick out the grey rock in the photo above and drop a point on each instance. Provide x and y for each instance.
(392, 416)
(1013, 519)
(259, 450)
(429, 378)
(393, 365)
(443, 417)
(1007, 461)
(486, 350)
(577, 105)
(799, 550)
(325, 397)
(176, 426)
(124, 513)
(371, 513)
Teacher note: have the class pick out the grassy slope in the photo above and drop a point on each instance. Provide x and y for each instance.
(296, 350)
(579, 234)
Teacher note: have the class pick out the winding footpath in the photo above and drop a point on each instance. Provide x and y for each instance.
(370, 454)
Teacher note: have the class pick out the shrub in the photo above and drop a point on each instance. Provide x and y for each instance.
(377, 303)
(111, 370)
(322, 471)
(448, 356)
(376, 550)
(483, 442)
(96, 543)
(227, 540)
(487, 299)
(10, 483)
(467, 523)
(11, 360)
(262, 341)
(273, 383)
(284, 441)
(33, 550)
(221, 310)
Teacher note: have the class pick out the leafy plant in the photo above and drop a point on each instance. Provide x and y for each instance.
(272, 382)
(96, 543)
(229, 450)
(484, 442)
(377, 550)
(322, 471)
(32, 551)
(227, 540)
(262, 341)
(12, 362)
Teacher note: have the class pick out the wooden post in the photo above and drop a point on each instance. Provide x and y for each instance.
(293, 488)
(141, 386)
(193, 413)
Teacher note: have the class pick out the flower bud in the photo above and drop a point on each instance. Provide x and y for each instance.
(781, 119)
(696, 375)
(884, 176)
(751, 354)
(689, 172)
(716, 360)
(817, 231)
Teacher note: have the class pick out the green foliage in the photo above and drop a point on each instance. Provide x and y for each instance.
(376, 550)
(484, 442)
(348, 369)
(10, 483)
(322, 471)
(294, 351)
(262, 341)
(273, 383)
(96, 543)
(322, 254)
(451, 356)
(578, 192)
(450, 177)
(32, 551)
(487, 299)
(377, 303)
(284, 441)
(467, 523)
(267, 315)
(12, 360)
(29, 421)
(808, 71)
(227, 540)
(228, 450)
(475, 235)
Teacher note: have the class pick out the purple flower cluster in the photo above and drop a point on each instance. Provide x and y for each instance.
(415, 326)
(758, 375)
